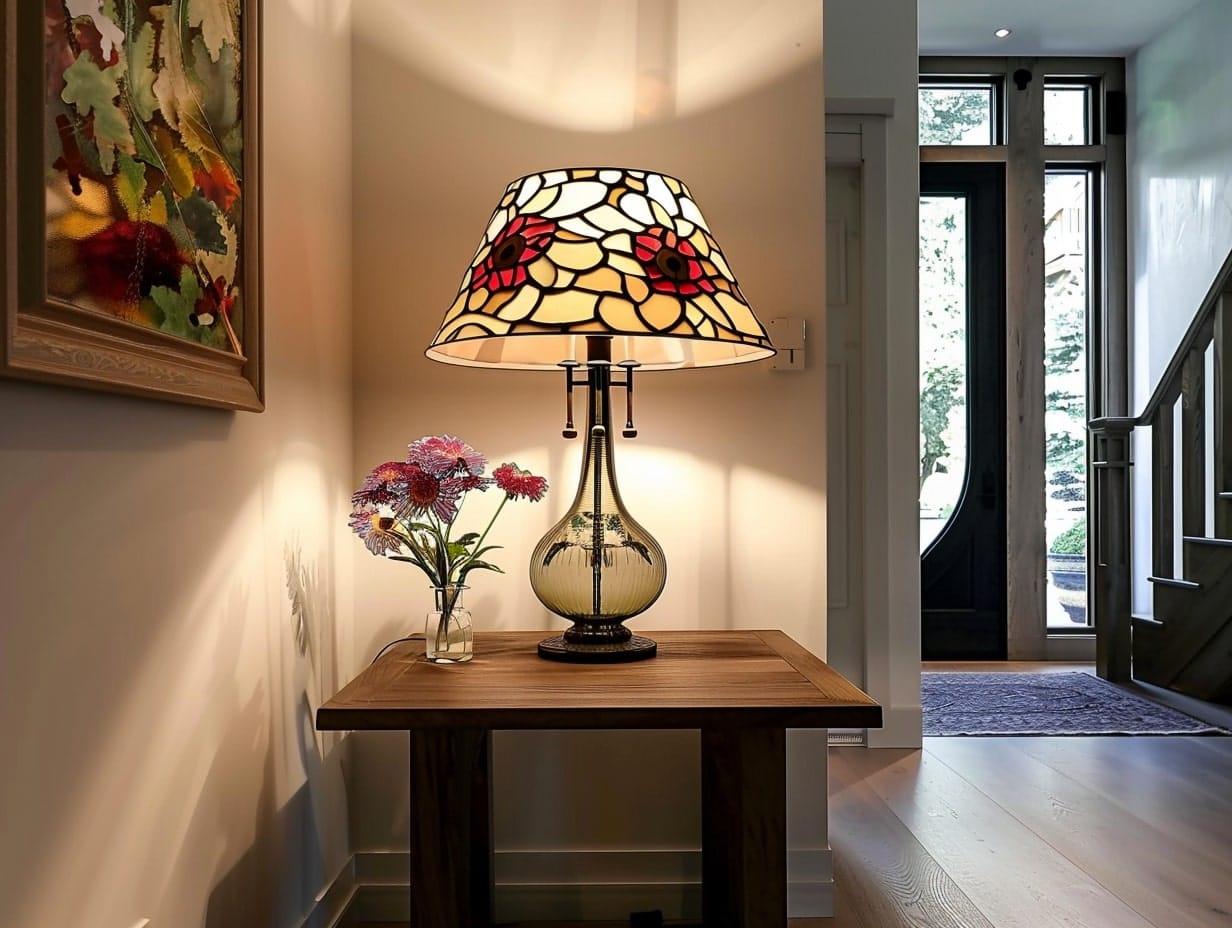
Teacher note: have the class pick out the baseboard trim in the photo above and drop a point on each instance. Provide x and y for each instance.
(902, 727)
(333, 905)
(601, 885)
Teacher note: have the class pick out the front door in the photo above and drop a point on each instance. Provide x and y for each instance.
(962, 411)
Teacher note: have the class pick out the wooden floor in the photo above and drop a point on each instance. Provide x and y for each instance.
(1034, 833)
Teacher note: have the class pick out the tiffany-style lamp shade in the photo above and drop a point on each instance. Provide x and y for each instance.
(611, 270)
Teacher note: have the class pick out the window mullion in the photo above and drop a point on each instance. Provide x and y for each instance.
(1024, 241)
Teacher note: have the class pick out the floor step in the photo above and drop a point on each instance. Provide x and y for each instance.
(1178, 584)
(1201, 540)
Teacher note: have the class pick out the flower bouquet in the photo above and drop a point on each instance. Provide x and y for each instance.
(405, 510)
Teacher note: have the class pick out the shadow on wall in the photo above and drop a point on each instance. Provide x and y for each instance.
(286, 851)
(156, 690)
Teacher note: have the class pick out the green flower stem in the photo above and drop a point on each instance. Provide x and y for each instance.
(479, 544)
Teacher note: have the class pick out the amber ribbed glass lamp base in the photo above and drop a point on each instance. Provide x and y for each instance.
(597, 566)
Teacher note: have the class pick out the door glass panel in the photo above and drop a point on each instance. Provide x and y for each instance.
(1067, 114)
(1066, 293)
(960, 114)
(943, 360)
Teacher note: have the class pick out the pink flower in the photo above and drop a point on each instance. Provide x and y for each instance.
(407, 508)
(375, 530)
(422, 490)
(446, 457)
(519, 484)
(384, 485)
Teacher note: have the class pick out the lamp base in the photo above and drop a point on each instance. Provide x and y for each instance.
(635, 648)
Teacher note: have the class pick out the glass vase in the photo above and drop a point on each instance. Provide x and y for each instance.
(448, 635)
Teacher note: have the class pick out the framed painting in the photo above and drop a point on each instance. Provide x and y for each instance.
(132, 227)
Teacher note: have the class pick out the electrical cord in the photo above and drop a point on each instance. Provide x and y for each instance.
(394, 642)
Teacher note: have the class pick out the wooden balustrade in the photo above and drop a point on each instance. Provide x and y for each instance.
(1183, 480)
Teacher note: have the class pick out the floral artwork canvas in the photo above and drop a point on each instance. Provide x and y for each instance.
(144, 164)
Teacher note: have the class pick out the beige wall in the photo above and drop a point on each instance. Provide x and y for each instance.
(872, 55)
(159, 758)
(452, 102)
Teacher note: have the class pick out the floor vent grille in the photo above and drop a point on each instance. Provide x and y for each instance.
(845, 737)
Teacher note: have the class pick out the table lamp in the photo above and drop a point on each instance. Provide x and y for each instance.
(607, 271)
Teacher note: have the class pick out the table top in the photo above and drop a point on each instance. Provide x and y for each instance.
(700, 679)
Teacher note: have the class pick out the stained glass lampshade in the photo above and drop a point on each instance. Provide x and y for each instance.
(611, 270)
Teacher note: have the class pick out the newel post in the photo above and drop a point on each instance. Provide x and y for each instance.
(1110, 553)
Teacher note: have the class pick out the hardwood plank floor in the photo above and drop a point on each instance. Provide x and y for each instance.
(1080, 832)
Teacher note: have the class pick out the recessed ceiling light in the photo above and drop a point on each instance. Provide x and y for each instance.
(1002, 32)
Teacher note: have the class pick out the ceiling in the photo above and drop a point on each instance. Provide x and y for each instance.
(1044, 27)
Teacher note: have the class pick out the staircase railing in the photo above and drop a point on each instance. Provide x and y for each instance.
(1183, 380)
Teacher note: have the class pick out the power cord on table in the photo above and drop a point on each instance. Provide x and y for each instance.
(394, 642)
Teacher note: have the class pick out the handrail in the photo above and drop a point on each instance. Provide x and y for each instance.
(1198, 328)
(1111, 438)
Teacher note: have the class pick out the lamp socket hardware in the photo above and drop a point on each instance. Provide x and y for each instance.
(787, 335)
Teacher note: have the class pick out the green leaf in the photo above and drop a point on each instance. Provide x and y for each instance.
(130, 185)
(141, 74)
(477, 565)
(468, 539)
(93, 91)
(201, 217)
(178, 305)
(216, 21)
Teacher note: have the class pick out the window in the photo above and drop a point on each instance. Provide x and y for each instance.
(1067, 114)
(1064, 265)
(1067, 292)
(943, 360)
(958, 112)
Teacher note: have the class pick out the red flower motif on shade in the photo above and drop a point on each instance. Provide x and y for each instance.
(523, 240)
(518, 483)
(671, 263)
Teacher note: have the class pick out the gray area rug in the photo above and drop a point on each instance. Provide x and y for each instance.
(1045, 704)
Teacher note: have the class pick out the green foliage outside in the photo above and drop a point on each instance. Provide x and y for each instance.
(1071, 541)
(948, 116)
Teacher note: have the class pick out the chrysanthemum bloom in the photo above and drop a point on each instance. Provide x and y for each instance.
(384, 485)
(408, 508)
(446, 456)
(377, 531)
(519, 484)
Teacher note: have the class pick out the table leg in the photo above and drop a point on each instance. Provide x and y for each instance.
(451, 828)
(744, 828)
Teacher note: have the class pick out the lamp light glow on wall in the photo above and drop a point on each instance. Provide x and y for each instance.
(610, 271)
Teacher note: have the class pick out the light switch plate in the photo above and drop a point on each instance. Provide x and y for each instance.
(787, 334)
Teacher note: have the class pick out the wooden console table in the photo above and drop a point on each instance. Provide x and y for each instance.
(742, 689)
